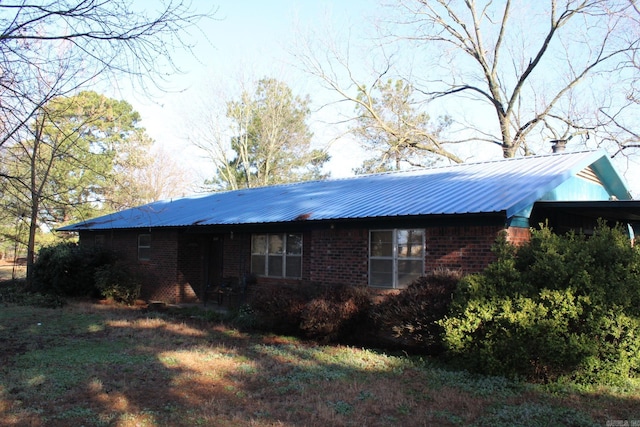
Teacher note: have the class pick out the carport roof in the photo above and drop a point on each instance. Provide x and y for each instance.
(502, 187)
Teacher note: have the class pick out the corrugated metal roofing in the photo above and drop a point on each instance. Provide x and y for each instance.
(489, 187)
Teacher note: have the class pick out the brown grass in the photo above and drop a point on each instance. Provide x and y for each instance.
(8, 271)
(99, 365)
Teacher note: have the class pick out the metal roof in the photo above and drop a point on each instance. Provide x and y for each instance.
(501, 186)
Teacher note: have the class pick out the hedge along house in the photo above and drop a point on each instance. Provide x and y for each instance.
(381, 230)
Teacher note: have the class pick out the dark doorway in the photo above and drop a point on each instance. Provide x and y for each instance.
(213, 262)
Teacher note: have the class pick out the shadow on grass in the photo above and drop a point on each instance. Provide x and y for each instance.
(112, 366)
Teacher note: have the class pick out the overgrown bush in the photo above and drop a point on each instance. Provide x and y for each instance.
(116, 282)
(334, 313)
(410, 318)
(67, 269)
(278, 309)
(323, 313)
(559, 306)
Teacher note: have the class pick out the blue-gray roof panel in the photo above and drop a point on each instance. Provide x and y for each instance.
(488, 187)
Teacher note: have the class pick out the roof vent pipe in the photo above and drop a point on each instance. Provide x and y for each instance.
(559, 145)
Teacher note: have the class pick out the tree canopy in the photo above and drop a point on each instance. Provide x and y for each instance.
(270, 140)
(70, 162)
(53, 48)
(391, 125)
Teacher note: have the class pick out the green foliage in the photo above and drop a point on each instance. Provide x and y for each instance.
(391, 125)
(17, 292)
(559, 306)
(67, 269)
(271, 141)
(410, 318)
(529, 414)
(116, 282)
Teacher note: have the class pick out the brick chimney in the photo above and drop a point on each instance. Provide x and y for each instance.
(558, 145)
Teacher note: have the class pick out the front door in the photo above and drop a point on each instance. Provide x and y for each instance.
(213, 263)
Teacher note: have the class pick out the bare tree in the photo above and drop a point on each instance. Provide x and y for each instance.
(52, 48)
(510, 74)
(386, 119)
(148, 178)
(525, 62)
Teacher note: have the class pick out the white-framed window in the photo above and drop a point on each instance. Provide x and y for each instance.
(144, 247)
(396, 257)
(277, 255)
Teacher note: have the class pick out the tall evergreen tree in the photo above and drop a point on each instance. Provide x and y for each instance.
(66, 165)
(271, 140)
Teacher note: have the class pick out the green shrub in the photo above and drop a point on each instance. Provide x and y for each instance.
(559, 306)
(116, 282)
(410, 318)
(67, 269)
(17, 292)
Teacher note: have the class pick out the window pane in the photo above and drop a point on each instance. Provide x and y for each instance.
(381, 273)
(275, 265)
(144, 240)
(408, 271)
(410, 243)
(411, 250)
(259, 244)
(258, 264)
(144, 247)
(382, 243)
(144, 253)
(294, 266)
(275, 244)
(294, 244)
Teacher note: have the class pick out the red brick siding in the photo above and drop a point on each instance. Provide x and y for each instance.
(190, 274)
(518, 235)
(330, 256)
(236, 254)
(159, 275)
(339, 256)
(465, 248)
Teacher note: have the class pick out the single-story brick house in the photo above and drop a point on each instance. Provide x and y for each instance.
(380, 230)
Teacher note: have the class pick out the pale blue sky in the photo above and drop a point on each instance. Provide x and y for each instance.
(247, 39)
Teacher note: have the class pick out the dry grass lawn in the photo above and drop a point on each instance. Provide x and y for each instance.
(99, 365)
(8, 271)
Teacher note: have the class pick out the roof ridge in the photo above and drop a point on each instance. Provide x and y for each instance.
(417, 169)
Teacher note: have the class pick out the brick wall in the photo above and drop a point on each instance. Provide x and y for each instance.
(465, 248)
(518, 235)
(159, 274)
(339, 256)
(236, 254)
(330, 256)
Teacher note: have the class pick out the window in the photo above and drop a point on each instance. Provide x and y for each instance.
(99, 240)
(144, 247)
(277, 255)
(396, 257)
